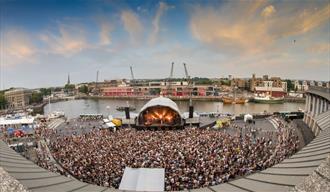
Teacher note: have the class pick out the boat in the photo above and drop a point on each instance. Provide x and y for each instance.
(231, 100)
(268, 99)
(56, 114)
(123, 108)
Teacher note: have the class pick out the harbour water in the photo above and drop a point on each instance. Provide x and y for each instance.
(74, 108)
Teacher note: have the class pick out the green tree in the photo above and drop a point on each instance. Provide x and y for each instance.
(202, 81)
(56, 89)
(154, 91)
(289, 84)
(83, 89)
(225, 82)
(3, 101)
(69, 87)
(36, 97)
(45, 91)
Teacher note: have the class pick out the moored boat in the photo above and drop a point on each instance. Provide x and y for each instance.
(268, 99)
(231, 100)
(121, 108)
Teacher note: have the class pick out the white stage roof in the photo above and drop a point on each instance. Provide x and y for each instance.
(161, 101)
(143, 179)
(23, 120)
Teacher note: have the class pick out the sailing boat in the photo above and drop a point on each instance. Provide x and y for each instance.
(234, 100)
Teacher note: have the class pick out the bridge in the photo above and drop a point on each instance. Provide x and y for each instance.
(317, 108)
(307, 170)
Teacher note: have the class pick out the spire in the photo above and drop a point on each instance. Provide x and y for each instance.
(68, 79)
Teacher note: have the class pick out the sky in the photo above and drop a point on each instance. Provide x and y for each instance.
(42, 41)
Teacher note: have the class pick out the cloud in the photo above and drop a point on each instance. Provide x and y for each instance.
(268, 11)
(132, 24)
(253, 27)
(156, 21)
(302, 21)
(105, 29)
(69, 40)
(319, 48)
(17, 47)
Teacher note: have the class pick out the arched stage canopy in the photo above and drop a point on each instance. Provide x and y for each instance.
(160, 112)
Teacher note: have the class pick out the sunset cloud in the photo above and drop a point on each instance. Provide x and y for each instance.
(320, 48)
(105, 29)
(252, 27)
(69, 40)
(156, 21)
(268, 11)
(132, 24)
(17, 47)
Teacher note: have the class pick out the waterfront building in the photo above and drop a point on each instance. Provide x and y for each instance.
(273, 86)
(18, 98)
(176, 89)
(240, 83)
(255, 82)
(312, 83)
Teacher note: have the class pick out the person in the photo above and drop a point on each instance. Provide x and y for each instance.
(192, 157)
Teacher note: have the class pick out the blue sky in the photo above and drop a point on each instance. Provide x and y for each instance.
(44, 40)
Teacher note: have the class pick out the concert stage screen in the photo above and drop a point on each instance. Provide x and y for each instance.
(160, 112)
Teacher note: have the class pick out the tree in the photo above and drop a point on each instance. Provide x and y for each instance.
(83, 89)
(69, 88)
(45, 91)
(289, 84)
(202, 81)
(154, 91)
(225, 82)
(3, 101)
(36, 97)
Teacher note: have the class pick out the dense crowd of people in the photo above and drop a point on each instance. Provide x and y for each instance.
(44, 161)
(192, 157)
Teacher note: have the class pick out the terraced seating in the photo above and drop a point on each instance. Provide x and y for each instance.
(291, 172)
(36, 178)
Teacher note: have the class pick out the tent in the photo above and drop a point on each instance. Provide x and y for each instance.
(10, 130)
(105, 120)
(248, 117)
(143, 179)
(110, 124)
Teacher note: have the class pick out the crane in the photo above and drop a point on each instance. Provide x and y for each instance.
(132, 74)
(169, 79)
(96, 89)
(133, 84)
(189, 87)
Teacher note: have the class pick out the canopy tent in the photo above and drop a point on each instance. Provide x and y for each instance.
(143, 179)
(106, 120)
(10, 130)
(18, 121)
(110, 124)
(248, 117)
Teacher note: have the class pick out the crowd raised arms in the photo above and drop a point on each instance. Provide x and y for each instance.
(90, 117)
(192, 158)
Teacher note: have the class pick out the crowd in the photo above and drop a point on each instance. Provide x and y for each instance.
(90, 117)
(192, 158)
(43, 159)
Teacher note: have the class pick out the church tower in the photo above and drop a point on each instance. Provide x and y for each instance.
(68, 79)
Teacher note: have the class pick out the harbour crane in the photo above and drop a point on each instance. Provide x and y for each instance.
(132, 74)
(96, 90)
(169, 80)
(133, 84)
(189, 88)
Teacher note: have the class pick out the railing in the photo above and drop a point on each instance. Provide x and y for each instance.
(316, 88)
